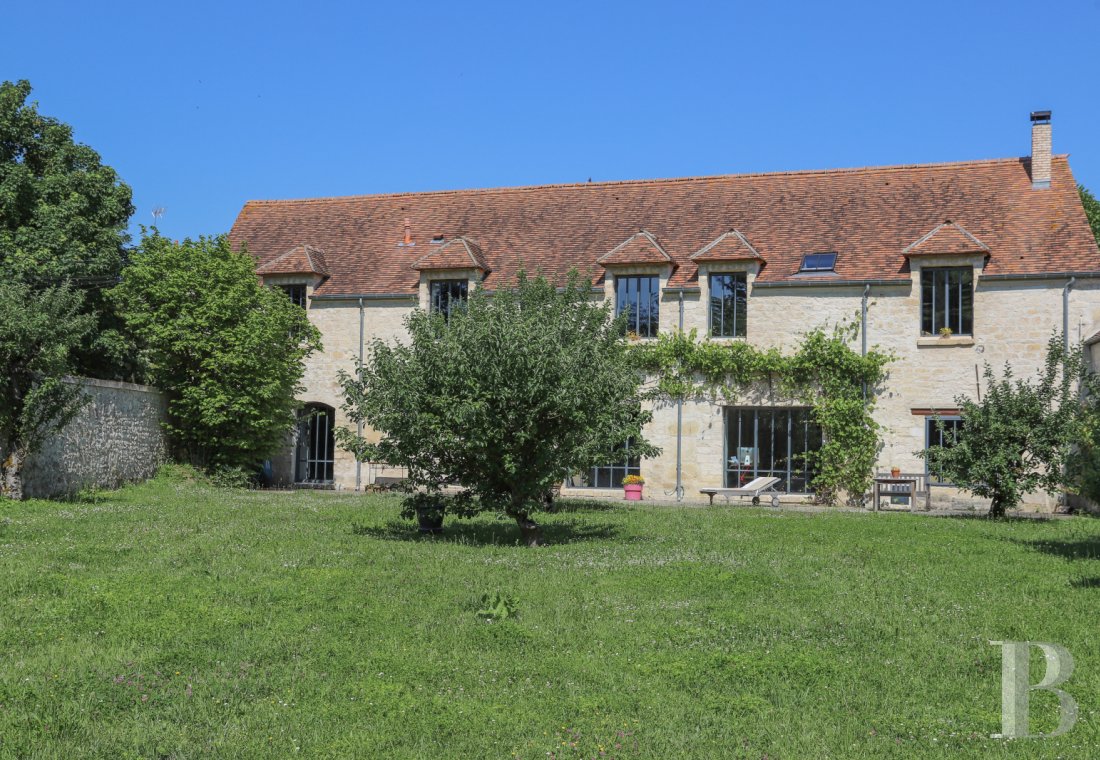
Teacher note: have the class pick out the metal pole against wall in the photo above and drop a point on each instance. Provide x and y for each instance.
(680, 421)
(359, 425)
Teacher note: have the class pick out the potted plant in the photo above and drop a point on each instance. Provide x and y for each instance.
(429, 509)
(946, 332)
(632, 487)
(895, 472)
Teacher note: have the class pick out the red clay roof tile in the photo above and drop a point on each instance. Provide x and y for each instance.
(867, 215)
(302, 259)
(456, 253)
(729, 246)
(639, 248)
(947, 238)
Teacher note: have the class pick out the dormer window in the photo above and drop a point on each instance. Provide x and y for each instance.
(947, 301)
(448, 295)
(818, 262)
(296, 293)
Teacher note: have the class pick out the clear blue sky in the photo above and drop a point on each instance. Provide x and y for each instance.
(202, 106)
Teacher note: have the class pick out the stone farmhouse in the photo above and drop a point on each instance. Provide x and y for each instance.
(948, 265)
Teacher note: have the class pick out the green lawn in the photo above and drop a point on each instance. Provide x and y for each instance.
(181, 621)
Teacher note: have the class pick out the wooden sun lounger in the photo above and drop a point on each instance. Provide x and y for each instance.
(753, 489)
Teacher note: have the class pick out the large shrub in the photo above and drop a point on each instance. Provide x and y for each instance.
(506, 398)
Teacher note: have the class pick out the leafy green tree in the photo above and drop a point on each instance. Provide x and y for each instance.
(1092, 210)
(1022, 435)
(228, 352)
(63, 218)
(39, 331)
(506, 398)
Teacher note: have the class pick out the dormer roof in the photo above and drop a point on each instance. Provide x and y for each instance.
(946, 239)
(729, 246)
(301, 259)
(640, 248)
(457, 253)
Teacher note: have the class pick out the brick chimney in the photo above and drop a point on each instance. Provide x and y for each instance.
(1040, 149)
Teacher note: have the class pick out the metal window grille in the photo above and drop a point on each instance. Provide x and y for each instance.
(640, 297)
(316, 446)
(728, 305)
(947, 300)
(771, 442)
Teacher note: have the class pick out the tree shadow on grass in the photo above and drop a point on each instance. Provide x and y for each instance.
(562, 506)
(1082, 548)
(481, 533)
(1085, 583)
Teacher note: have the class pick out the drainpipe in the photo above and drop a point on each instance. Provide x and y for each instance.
(1065, 345)
(863, 332)
(1065, 312)
(359, 426)
(680, 421)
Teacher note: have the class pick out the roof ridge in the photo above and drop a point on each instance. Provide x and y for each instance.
(889, 168)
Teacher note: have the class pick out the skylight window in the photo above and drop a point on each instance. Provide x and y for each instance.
(818, 262)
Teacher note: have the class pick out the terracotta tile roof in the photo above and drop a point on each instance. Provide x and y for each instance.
(729, 246)
(946, 238)
(867, 215)
(456, 253)
(639, 248)
(301, 259)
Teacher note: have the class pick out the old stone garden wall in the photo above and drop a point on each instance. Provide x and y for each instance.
(116, 438)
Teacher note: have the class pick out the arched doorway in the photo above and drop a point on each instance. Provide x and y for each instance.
(315, 449)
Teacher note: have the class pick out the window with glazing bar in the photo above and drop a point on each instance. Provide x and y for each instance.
(947, 301)
(728, 305)
(296, 294)
(941, 431)
(609, 476)
(640, 298)
(448, 295)
(771, 442)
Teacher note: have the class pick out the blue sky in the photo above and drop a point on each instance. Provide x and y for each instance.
(202, 106)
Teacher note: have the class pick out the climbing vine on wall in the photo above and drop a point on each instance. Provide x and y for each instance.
(825, 373)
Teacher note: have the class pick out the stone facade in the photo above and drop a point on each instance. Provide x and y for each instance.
(1013, 318)
(116, 438)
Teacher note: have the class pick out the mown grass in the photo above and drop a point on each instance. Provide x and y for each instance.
(177, 620)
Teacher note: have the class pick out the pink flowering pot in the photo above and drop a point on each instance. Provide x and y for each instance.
(633, 492)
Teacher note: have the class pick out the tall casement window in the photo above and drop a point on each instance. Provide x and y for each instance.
(728, 305)
(609, 476)
(296, 293)
(771, 442)
(947, 300)
(315, 449)
(448, 295)
(640, 297)
(945, 435)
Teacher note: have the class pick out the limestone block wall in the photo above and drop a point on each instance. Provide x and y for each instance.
(116, 438)
(1012, 321)
(338, 322)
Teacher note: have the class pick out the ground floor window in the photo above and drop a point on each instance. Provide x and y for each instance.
(771, 442)
(945, 435)
(315, 448)
(609, 476)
